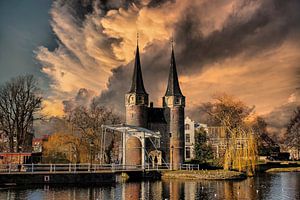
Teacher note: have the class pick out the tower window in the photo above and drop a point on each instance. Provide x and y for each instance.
(187, 127)
(141, 99)
(188, 138)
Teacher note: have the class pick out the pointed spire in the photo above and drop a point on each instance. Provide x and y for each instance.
(137, 85)
(173, 88)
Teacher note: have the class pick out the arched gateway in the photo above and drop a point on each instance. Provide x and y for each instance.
(134, 151)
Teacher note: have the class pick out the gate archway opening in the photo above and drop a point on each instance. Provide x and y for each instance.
(133, 144)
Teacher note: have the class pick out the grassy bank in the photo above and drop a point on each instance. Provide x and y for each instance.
(285, 169)
(204, 174)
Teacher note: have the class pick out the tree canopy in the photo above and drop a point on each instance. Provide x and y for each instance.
(19, 106)
(80, 140)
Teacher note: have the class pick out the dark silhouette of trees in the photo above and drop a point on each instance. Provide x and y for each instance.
(19, 105)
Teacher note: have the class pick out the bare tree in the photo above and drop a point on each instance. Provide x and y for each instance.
(226, 111)
(83, 131)
(233, 114)
(293, 132)
(19, 104)
(87, 124)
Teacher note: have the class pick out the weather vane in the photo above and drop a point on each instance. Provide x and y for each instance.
(137, 38)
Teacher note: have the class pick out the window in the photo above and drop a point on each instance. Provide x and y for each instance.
(187, 138)
(140, 99)
(187, 127)
(187, 152)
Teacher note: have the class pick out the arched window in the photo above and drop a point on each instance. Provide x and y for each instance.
(187, 127)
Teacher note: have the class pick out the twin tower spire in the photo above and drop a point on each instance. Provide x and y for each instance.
(137, 86)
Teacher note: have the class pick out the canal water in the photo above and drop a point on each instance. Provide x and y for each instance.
(265, 186)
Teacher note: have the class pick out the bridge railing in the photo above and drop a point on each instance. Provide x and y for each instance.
(87, 167)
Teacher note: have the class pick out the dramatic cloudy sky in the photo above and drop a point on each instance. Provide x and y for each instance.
(80, 49)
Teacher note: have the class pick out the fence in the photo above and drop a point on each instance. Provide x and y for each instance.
(86, 167)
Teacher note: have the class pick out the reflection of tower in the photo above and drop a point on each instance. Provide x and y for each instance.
(176, 190)
(132, 191)
(174, 103)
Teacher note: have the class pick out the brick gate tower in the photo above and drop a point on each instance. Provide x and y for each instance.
(136, 103)
(174, 103)
(168, 120)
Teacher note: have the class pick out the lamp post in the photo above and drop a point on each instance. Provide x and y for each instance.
(172, 162)
(91, 146)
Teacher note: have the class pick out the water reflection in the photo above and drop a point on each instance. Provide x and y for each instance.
(265, 186)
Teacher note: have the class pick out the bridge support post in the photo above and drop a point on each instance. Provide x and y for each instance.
(124, 149)
(143, 152)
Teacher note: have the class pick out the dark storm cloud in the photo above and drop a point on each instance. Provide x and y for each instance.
(278, 120)
(82, 98)
(155, 65)
(251, 34)
(266, 28)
